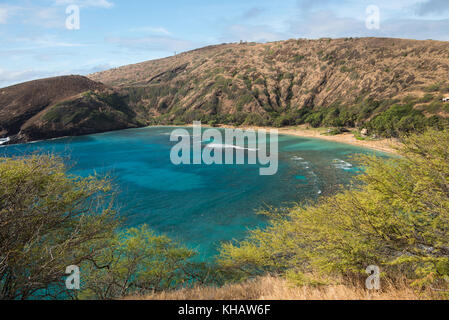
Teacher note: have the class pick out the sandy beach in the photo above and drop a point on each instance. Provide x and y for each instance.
(384, 145)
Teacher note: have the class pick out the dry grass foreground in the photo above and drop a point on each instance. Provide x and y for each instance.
(272, 288)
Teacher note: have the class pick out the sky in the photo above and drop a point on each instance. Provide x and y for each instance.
(41, 38)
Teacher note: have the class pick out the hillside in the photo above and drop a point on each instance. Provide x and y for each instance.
(332, 82)
(387, 86)
(60, 106)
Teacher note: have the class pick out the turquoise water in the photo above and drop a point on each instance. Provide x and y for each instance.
(200, 205)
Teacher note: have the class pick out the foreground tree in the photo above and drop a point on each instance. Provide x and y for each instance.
(138, 263)
(396, 216)
(48, 220)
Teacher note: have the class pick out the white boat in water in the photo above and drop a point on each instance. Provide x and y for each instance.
(4, 140)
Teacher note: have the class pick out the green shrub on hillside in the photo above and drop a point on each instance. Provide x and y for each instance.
(396, 216)
(434, 87)
(298, 58)
(254, 120)
(396, 120)
(244, 99)
(427, 98)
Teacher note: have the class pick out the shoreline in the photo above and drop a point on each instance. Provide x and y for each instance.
(383, 145)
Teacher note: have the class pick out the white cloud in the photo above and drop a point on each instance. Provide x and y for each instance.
(43, 16)
(45, 41)
(326, 23)
(155, 30)
(153, 43)
(50, 16)
(10, 77)
(46, 17)
(253, 12)
(94, 69)
(52, 43)
(3, 15)
(432, 7)
(86, 3)
(259, 33)
(6, 11)
(417, 29)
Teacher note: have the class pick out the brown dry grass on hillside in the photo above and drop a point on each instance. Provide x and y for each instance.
(272, 288)
(20, 103)
(262, 78)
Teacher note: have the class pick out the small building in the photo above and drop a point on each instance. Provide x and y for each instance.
(446, 99)
(364, 132)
